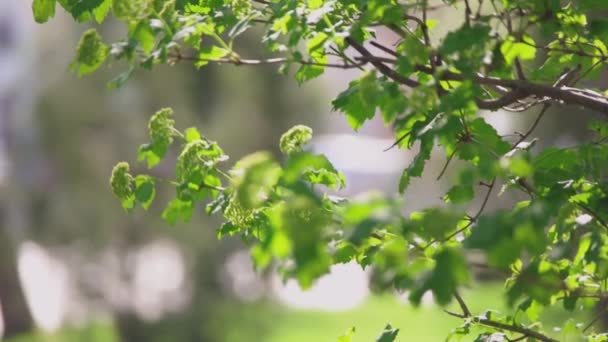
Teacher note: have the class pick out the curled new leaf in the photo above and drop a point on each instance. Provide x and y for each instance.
(161, 132)
(256, 174)
(130, 9)
(296, 137)
(197, 156)
(90, 53)
(122, 183)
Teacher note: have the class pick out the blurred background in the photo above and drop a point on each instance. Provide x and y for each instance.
(75, 267)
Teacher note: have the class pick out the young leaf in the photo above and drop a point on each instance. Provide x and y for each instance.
(161, 130)
(90, 53)
(43, 10)
(144, 190)
(389, 334)
(512, 49)
(347, 336)
(122, 185)
(296, 137)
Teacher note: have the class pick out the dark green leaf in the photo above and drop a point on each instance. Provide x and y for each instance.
(389, 334)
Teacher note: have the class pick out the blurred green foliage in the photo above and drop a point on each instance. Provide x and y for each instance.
(282, 208)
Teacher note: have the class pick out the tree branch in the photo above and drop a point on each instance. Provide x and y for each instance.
(385, 70)
(520, 88)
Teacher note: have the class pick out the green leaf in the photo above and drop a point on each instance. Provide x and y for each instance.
(130, 10)
(434, 222)
(296, 137)
(389, 334)
(532, 309)
(209, 54)
(359, 101)
(120, 80)
(91, 53)
(256, 175)
(316, 50)
(302, 220)
(519, 167)
(467, 37)
(79, 7)
(417, 166)
(196, 160)
(460, 193)
(512, 49)
(144, 35)
(313, 168)
(178, 210)
(307, 72)
(192, 134)
(227, 229)
(101, 11)
(451, 270)
(122, 185)
(393, 102)
(161, 131)
(347, 336)
(43, 10)
(144, 190)
(600, 127)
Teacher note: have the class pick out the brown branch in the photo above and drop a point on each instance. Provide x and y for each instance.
(474, 218)
(520, 89)
(385, 70)
(447, 163)
(463, 306)
(532, 128)
(514, 328)
(600, 314)
(212, 187)
(519, 69)
(275, 60)
(466, 314)
(383, 48)
(594, 214)
(400, 139)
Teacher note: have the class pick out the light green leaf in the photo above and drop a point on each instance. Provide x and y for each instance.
(296, 137)
(122, 184)
(255, 175)
(130, 10)
(178, 210)
(43, 10)
(161, 130)
(192, 134)
(91, 53)
(360, 100)
(209, 54)
(347, 336)
(144, 190)
(512, 49)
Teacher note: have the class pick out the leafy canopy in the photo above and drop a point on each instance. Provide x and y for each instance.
(513, 55)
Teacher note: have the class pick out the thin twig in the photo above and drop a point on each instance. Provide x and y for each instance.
(463, 306)
(400, 139)
(474, 218)
(447, 163)
(533, 127)
(504, 326)
(385, 70)
(212, 187)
